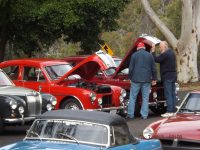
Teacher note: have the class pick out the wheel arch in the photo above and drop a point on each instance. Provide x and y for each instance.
(68, 97)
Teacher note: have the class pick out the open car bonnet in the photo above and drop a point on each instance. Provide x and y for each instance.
(86, 69)
(147, 40)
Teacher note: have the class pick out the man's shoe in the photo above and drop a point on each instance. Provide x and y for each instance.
(166, 115)
(129, 118)
(144, 118)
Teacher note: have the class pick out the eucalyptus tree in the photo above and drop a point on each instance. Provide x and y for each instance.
(186, 44)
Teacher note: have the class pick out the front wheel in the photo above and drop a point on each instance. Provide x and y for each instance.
(122, 113)
(1, 126)
(159, 109)
(72, 104)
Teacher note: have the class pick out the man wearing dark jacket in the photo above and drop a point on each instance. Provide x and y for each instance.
(142, 72)
(167, 62)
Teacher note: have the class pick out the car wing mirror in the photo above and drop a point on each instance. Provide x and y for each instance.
(39, 88)
(38, 72)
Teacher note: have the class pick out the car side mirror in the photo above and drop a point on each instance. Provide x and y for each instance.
(27, 131)
(39, 88)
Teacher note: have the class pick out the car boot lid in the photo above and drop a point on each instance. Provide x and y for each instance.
(14, 90)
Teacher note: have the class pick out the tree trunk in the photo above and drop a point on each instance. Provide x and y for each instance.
(186, 48)
(188, 42)
(187, 62)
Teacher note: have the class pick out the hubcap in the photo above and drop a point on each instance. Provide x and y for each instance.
(72, 106)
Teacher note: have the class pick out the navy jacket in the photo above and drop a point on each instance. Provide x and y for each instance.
(167, 62)
(142, 67)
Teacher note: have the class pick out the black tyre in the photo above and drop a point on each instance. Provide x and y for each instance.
(1, 126)
(137, 109)
(122, 113)
(159, 109)
(71, 104)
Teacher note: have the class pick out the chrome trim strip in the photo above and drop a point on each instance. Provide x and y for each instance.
(158, 102)
(107, 145)
(18, 120)
(109, 108)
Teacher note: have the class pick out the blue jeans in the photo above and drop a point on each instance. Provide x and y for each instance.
(135, 88)
(170, 95)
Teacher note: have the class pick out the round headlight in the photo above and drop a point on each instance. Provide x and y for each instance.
(92, 97)
(121, 99)
(49, 107)
(53, 100)
(177, 86)
(123, 93)
(13, 104)
(148, 133)
(21, 109)
(100, 101)
(155, 95)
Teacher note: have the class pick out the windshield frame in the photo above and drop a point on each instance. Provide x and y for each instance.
(7, 78)
(48, 73)
(68, 140)
(185, 102)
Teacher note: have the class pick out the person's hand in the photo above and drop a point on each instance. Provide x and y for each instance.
(153, 82)
(153, 47)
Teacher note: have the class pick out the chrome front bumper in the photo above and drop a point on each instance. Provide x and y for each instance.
(157, 103)
(110, 108)
(18, 120)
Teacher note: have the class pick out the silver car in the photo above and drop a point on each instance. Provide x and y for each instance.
(21, 105)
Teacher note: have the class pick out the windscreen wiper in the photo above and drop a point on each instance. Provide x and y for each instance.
(69, 137)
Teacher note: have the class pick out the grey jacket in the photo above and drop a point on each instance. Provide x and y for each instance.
(142, 67)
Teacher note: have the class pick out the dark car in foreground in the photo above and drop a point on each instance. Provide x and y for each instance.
(81, 130)
(181, 131)
(19, 105)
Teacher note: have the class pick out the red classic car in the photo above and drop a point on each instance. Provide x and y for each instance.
(69, 85)
(181, 131)
(117, 75)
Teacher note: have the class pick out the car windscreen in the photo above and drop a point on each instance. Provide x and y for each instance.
(57, 71)
(4, 80)
(191, 103)
(70, 131)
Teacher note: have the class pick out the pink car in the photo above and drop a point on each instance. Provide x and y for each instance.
(181, 131)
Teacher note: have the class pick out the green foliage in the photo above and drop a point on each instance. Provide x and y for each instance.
(133, 22)
(35, 25)
(169, 11)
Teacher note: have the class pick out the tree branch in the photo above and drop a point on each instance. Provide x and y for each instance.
(159, 24)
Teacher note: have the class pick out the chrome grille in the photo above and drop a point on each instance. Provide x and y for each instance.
(34, 104)
(180, 144)
(107, 101)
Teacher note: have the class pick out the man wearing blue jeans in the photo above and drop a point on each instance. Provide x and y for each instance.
(167, 62)
(142, 72)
